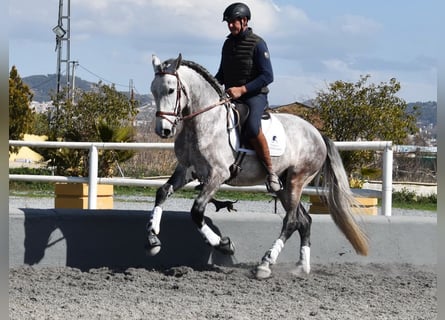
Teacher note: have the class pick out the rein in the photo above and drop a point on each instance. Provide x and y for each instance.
(177, 113)
(194, 114)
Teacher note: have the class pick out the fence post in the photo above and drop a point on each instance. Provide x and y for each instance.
(92, 178)
(387, 181)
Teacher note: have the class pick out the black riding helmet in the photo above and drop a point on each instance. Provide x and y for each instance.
(236, 10)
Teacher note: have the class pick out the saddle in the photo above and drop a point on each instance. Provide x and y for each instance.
(242, 112)
(272, 128)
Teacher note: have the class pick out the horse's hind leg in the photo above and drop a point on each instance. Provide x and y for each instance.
(296, 219)
(290, 224)
(304, 229)
(175, 182)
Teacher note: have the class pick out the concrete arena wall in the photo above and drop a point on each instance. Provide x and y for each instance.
(88, 239)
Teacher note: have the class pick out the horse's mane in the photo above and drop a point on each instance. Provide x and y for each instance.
(205, 74)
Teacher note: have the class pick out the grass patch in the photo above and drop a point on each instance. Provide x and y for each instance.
(190, 194)
(406, 199)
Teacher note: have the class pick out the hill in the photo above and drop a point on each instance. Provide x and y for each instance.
(43, 86)
(428, 111)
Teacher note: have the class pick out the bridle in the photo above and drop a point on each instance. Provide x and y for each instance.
(178, 110)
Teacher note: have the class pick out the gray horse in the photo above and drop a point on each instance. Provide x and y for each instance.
(193, 108)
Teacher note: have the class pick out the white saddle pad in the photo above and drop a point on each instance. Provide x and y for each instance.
(273, 131)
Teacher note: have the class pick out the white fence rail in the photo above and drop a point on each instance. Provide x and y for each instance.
(93, 179)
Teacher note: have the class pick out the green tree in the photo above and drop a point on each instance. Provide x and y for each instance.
(40, 124)
(20, 114)
(362, 111)
(100, 115)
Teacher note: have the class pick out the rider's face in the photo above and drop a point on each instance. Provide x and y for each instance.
(236, 26)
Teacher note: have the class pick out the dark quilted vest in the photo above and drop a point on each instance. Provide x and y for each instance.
(237, 62)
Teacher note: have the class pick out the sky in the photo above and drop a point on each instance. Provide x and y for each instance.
(312, 43)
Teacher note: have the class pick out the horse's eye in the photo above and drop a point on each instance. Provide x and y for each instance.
(170, 91)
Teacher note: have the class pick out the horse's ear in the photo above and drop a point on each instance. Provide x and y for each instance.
(156, 62)
(178, 61)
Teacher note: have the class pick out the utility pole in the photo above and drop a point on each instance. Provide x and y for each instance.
(131, 90)
(62, 31)
(73, 81)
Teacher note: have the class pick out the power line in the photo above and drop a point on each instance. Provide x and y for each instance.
(102, 78)
(136, 90)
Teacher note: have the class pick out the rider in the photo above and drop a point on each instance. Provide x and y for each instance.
(245, 71)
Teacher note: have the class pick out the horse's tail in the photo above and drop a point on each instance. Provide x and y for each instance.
(340, 199)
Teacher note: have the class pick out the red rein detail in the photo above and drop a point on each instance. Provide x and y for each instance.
(161, 114)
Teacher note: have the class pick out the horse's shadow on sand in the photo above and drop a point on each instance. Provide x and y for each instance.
(87, 239)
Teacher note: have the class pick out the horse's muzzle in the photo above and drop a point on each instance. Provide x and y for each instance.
(165, 133)
(165, 129)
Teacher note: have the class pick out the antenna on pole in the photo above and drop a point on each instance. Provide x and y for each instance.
(62, 31)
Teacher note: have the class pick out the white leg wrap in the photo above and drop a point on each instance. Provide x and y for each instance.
(305, 258)
(211, 236)
(155, 219)
(275, 250)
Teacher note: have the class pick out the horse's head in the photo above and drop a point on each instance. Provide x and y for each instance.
(169, 95)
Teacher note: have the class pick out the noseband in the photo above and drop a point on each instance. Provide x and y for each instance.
(177, 113)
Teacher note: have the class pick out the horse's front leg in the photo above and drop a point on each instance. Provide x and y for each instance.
(179, 178)
(222, 244)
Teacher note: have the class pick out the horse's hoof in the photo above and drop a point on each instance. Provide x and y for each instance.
(154, 244)
(263, 271)
(301, 269)
(152, 251)
(226, 246)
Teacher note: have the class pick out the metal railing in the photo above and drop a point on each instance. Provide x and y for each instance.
(93, 180)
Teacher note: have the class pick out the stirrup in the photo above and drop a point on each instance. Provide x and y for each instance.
(273, 183)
